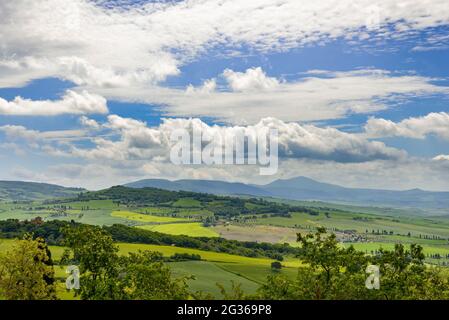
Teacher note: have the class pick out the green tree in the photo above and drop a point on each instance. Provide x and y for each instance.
(276, 266)
(107, 276)
(143, 276)
(26, 271)
(95, 253)
(334, 272)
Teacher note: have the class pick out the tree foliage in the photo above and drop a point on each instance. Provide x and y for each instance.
(334, 272)
(26, 271)
(107, 276)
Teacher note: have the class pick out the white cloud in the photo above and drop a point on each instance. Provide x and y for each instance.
(442, 157)
(89, 123)
(208, 86)
(15, 133)
(71, 103)
(146, 43)
(307, 141)
(327, 96)
(418, 128)
(135, 141)
(254, 79)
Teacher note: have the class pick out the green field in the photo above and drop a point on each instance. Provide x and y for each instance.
(187, 229)
(362, 223)
(144, 218)
(208, 274)
(214, 268)
(187, 214)
(187, 203)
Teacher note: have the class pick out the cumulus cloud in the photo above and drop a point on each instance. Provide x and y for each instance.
(71, 103)
(208, 86)
(89, 123)
(416, 127)
(307, 141)
(254, 79)
(148, 41)
(134, 140)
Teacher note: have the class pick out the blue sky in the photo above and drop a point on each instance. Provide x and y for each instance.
(367, 83)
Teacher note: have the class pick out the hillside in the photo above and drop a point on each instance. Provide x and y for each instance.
(202, 186)
(302, 188)
(24, 191)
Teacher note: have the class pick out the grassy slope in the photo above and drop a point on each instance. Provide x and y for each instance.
(22, 191)
(215, 268)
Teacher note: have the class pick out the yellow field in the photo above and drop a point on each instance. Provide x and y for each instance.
(144, 217)
(187, 229)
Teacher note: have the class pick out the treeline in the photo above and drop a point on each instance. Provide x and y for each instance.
(219, 205)
(51, 232)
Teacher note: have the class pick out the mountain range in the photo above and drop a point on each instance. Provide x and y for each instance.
(302, 188)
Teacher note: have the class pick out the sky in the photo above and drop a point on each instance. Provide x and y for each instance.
(90, 91)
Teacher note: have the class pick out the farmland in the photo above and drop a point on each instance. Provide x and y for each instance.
(205, 218)
(213, 268)
(242, 219)
(187, 229)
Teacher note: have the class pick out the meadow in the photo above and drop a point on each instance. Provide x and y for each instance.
(213, 268)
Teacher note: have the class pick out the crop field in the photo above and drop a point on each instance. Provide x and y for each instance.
(207, 275)
(144, 218)
(194, 229)
(187, 203)
(362, 223)
(257, 233)
(373, 246)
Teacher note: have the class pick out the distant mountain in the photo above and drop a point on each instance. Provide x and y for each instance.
(302, 188)
(19, 191)
(203, 186)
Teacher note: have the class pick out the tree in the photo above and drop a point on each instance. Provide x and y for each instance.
(333, 272)
(276, 266)
(26, 272)
(145, 277)
(95, 253)
(107, 276)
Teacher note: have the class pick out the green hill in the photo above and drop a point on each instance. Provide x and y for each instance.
(25, 191)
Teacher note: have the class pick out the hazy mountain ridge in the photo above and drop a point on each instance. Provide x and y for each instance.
(201, 186)
(302, 188)
(23, 191)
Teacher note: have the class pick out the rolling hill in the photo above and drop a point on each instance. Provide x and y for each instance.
(23, 191)
(302, 188)
(201, 186)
